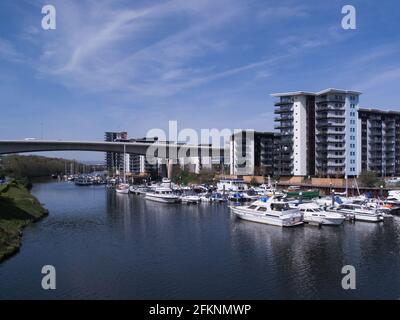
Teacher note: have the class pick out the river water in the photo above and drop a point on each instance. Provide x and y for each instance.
(112, 246)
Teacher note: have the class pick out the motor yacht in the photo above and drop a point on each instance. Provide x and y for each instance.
(314, 213)
(218, 197)
(190, 199)
(122, 188)
(236, 196)
(231, 185)
(162, 194)
(360, 212)
(269, 210)
(83, 181)
(250, 195)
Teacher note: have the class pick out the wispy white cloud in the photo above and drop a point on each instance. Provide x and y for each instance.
(161, 49)
(8, 52)
(380, 78)
(128, 49)
(280, 12)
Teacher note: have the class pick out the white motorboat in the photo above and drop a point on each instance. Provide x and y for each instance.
(234, 185)
(314, 213)
(188, 199)
(236, 196)
(218, 197)
(205, 197)
(394, 194)
(83, 181)
(269, 210)
(360, 212)
(267, 191)
(380, 206)
(162, 194)
(122, 188)
(250, 195)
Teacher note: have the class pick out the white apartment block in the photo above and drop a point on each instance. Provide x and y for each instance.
(319, 133)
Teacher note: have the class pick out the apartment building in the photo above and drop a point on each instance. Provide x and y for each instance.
(337, 133)
(114, 161)
(252, 153)
(380, 141)
(296, 126)
(134, 163)
(318, 133)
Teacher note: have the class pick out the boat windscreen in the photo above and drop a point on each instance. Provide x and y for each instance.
(280, 206)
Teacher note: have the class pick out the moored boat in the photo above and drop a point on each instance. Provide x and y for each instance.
(308, 194)
(360, 212)
(313, 213)
(269, 210)
(190, 199)
(122, 188)
(162, 194)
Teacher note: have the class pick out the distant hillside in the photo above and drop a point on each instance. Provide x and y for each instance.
(37, 166)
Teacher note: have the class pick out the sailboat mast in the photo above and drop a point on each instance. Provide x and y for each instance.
(124, 163)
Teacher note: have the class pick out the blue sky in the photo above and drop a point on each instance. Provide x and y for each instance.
(134, 65)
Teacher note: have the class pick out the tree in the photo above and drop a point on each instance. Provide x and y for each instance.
(369, 179)
(253, 181)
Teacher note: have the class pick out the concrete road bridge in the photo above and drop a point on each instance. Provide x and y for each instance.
(168, 151)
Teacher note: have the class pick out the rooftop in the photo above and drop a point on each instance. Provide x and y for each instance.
(371, 110)
(308, 93)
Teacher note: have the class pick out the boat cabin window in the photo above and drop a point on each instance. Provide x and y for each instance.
(252, 207)
(280, 206)
(262, 209)
(348, 207)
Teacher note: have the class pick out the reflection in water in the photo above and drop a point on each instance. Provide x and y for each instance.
(108, 245)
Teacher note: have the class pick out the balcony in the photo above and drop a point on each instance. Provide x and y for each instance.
(334, 164)
(284, 118)
(330, 139)
(283, 102)
(375, 132)
(335, 172)
(374, 125)
(334, 99)
(283, 109)
(330, 124)
(322, 116)
(335, 156)
(331, 132)
(284, 125)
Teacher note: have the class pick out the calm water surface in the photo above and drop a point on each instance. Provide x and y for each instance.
(106, 245)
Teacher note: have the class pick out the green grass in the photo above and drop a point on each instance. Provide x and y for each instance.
(17, 209)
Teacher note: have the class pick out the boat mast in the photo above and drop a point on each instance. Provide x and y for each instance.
(124, 163)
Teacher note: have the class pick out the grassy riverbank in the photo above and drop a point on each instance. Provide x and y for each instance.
(18, 208)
